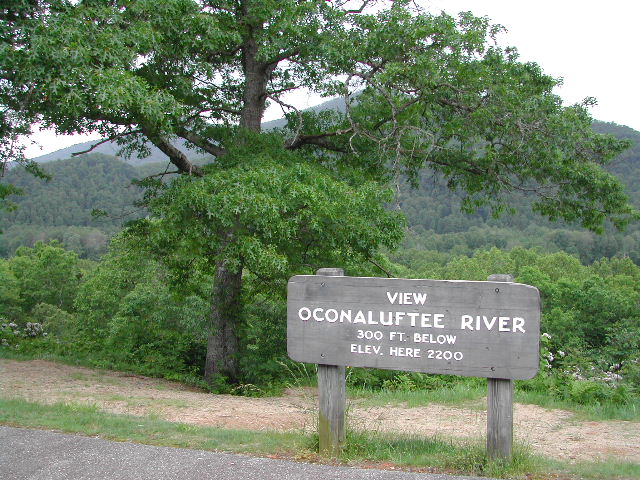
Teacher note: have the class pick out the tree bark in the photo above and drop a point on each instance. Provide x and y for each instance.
(224, 319)
(226, 302)
(256, 75)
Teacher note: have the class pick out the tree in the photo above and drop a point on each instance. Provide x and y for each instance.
(419, 90)
(127, 313)
(46, 273)
(9, 292)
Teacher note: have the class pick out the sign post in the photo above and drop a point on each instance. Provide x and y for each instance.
(500, 406)
(332, 397)
(483, 329)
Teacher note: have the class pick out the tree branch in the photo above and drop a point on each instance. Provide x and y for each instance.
(281, 57)
(387, 273)
(177, 157)
(106, 140)
(200, 142)
(319, 140)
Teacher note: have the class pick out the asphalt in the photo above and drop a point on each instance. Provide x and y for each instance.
(42, 455)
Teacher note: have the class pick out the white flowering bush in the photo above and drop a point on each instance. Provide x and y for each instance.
(34, 329)
(12, 335)
(565, 375)
(9, 334)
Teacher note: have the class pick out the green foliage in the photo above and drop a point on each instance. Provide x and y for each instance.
(56, 322)
(60, 209)
(87, 242)
(28, 339)
(7, 189)
(263, 340)
(272, 211)
(77, 186)
(45, 273)
(9, 291)
(128, 316)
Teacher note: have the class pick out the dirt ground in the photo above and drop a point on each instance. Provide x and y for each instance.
(552, 433)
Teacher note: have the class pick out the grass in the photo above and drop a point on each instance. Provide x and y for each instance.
(594, 412)
(598, 470)
(467, 457)
(88, 420)
(460, 394)
(370, 449)
(471, 395)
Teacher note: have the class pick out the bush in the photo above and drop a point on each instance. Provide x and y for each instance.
(31, 338)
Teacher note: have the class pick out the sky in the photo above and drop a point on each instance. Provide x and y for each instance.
(593, 45)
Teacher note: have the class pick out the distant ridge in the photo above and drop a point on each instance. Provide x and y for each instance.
(112, 149)
(156, 156)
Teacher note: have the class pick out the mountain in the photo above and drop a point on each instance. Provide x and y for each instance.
(61, 208)
(112, 149)
(436, 222)
(156, 156)
(99, 180)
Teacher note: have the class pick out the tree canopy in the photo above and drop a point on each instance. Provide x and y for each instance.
(422, 89)
(419, 89)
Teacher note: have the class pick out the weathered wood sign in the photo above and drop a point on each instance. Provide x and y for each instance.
(482, 329)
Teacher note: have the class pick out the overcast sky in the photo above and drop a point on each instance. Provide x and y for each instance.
(593, 45)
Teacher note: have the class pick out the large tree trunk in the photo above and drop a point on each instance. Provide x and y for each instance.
(226, 304)
(224, 320)
(256, 76)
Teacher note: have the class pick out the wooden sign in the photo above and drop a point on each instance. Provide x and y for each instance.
(481, 329)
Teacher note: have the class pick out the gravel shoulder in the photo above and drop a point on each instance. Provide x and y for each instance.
(552, 433)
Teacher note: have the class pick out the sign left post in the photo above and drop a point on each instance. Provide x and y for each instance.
(332, 397)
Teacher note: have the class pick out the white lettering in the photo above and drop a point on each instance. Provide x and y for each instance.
(419, 298)
(489, 324)
(427, 322)
(304, 314)
(503, 324)
(359, 317)
(518, 324)
(429, 338)
(366, 349)
(331, 315)
(404, 352)
(466, 321)
(407, 298)
(386, 320)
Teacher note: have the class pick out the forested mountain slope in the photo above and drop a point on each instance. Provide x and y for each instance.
(61, 209)
(436, 222)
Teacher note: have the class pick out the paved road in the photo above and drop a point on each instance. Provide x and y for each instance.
(41, 455)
